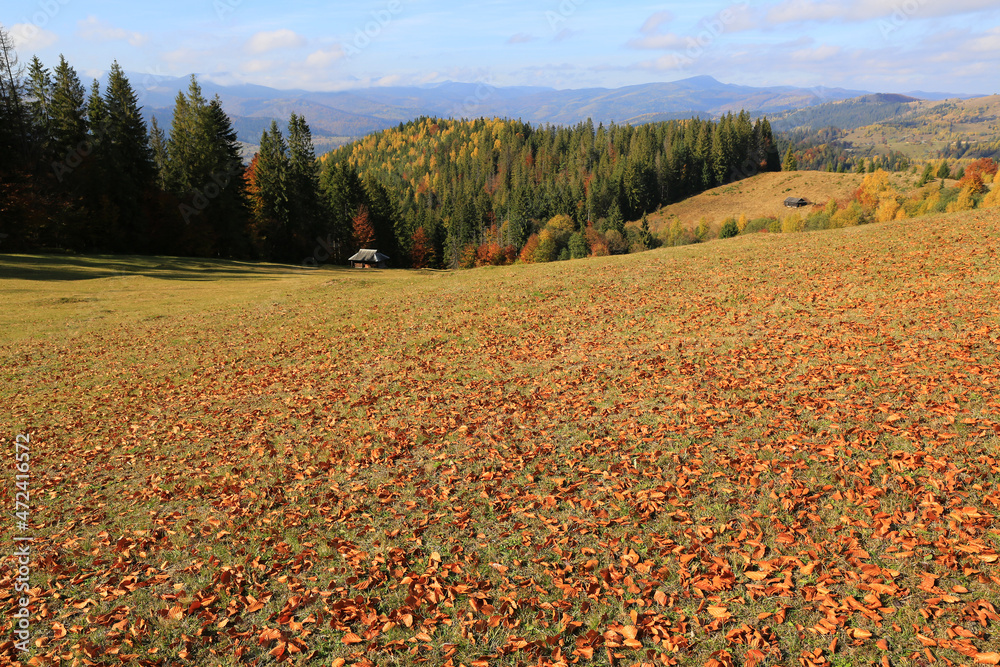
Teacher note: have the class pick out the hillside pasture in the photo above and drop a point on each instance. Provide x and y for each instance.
(774, 449)
(763, 195)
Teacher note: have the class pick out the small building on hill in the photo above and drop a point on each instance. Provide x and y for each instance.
(795, 202)
(368, 259)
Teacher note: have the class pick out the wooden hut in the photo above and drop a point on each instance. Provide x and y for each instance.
(795, 202)
(368, 259)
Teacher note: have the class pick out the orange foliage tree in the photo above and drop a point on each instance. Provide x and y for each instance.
(977, 174)
(364, 230)
(422, 251)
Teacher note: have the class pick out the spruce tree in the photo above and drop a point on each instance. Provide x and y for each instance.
(69, 122)
(158, 148)
(38, 91)
(13, 122)
(97, 116)
(226, 190)
(129, 152)
(271, 193)
(190, 145)
(303, 180)
(790, 163)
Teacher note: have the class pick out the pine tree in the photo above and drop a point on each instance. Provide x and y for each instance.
(303, 179)
(97, 116)
(943, 171)
(225, 190)
(926, 176)
(190, 145)
(38, 92)
(158, 148)
(13, 121)
(69, 123)
(129, 152)
(270, 206)
(790, 163)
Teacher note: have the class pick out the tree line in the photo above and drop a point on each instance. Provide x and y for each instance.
(80, 170)
(468, 190)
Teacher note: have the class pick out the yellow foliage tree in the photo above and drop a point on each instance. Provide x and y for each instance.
(887, 208)
(992, 198)
(741, 224)
(873, 188)
(929, 203)
(792, 223)
(965, 202)
(851, 216)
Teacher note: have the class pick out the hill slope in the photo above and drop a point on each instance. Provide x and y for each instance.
(781, 444)
(764, 195)
(919, 129)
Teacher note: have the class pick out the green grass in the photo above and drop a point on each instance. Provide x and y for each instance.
(504, 460)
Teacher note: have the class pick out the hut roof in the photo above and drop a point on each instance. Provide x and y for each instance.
(365, 255)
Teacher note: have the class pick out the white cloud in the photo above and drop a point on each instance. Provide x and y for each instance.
(669, 41)
(797, 11)
(98, 30)
(262, 42)
(565, 34)
(653, 23)
(29, 37)
(819, 54)
(986, 44)
(325, 57)
(255, 65)
(521, 38)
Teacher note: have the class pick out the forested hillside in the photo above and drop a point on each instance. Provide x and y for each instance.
(81, 171)
(470, 191)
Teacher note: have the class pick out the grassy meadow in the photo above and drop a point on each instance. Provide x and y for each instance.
(764, 195)
(774, 449)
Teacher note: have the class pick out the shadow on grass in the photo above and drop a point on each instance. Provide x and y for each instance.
(87, 267)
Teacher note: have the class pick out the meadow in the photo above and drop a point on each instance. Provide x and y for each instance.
(773, 449)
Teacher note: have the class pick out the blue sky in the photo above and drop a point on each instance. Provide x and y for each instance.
(879, 45)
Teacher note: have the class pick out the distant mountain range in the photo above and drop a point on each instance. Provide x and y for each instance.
(337, 117)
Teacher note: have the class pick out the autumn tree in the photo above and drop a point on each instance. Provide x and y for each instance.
(363, 229)
(421, 251)
(978, 174)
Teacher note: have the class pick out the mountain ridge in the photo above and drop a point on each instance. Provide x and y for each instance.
(338, 115)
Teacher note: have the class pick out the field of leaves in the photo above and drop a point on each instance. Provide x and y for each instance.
(775, 449)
